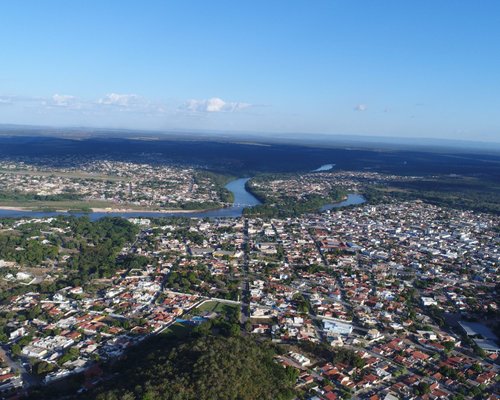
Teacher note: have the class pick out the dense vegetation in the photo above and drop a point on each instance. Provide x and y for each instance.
(202, 368)
(208, 368)
(23, 247)
(246, 158)
(467, 193)
(22, 196)
(102, 241)
(196, 205)
(89, 249)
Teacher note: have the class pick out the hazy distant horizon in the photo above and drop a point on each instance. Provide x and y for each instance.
(319, 139)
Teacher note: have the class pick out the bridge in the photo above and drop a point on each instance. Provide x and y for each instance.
(237, 205)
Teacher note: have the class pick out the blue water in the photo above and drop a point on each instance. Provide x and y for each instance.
(242, 199)
(193, 321)
(352, 200)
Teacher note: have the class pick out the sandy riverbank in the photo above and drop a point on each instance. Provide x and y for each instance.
(146, 210)
(14, 208)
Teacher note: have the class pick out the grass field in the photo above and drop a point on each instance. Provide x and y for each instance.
(215, 306)
(58, 205)
(178, 329)
(73, 205)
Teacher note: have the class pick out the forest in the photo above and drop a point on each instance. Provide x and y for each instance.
(246, 159)
(478, 193)
(199, 366)
(206, 368)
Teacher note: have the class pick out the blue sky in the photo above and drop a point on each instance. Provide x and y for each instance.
(408, 68)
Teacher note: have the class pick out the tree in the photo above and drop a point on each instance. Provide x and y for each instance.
(3, 336)
(292, 374)
(71, 354)
(234, 330)
(16, 349)
(424, 388)
(43, 368)
(449, 346)
(477, 368)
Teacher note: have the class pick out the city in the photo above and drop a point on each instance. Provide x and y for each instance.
(397, 287)
(108, 185)
(250, 200)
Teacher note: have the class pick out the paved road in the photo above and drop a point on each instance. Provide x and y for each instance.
(16, 366)
(245, 285)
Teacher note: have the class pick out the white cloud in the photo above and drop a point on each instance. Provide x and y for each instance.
(121, 100)
(361, 107)
(108, 104)
(213, 105)
(9, 99)
(56, 101)
(63, 100)
(131, 102)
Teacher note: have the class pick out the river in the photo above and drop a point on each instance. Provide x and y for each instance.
(352, 200)
(242, 199)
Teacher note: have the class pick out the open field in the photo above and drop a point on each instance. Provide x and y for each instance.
(215, 306)
(179, 330)
(60, 205)
(88, 206)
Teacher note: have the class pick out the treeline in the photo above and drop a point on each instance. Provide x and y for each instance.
(460, 193)
(219, 179)
(260, 195)
(195, 205)
(23, 196)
